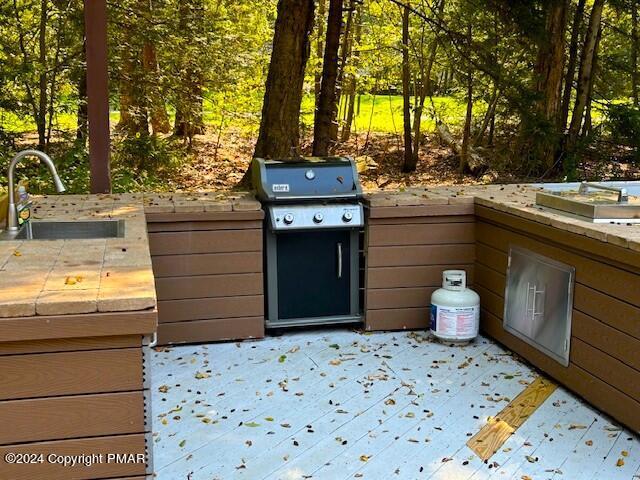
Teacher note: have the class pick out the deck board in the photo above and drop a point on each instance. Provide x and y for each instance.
(374, 405)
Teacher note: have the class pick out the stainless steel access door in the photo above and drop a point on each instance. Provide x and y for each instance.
(539, 302)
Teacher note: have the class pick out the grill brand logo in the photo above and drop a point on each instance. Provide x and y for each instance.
(280, 187)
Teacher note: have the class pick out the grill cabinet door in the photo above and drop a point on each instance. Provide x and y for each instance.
(314, 274)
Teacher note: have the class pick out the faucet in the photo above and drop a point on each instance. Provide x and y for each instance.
(12, 213)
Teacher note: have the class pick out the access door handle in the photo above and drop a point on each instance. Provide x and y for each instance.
(339, 260)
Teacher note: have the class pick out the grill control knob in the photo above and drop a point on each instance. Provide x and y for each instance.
(310, 174)
(318, 217)
(347, 217)
(288, 218)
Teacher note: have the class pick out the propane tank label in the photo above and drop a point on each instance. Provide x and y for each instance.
(455, 321)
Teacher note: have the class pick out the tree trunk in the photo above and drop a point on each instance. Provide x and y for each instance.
(538, 135)
(280, 122)
(322, 4)
(82, 131)
(41, 118)
(327, 107)
(409, 164)
(351, 103)
(571, 65)
(345, 53)
(588, 124)
(157, 110)
(466, 136)
(635, 39)
(585, 73)
(424, 89)
(188, 118)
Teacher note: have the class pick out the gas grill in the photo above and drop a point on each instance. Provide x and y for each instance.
(313, 219)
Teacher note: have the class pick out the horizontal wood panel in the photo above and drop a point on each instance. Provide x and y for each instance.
(416, 255)
(603, 337)
(586, 245)
(597, 392)
(398, 297)
(413, 220)
(612, 311)
(424, 276)
(606, 368)
(398, 319)
(613, 281)
(209, 308)
(595, 347)
(211, 330)
(491, 257)
(616, 313)
(490, 279)
(51, 374)
(122, 444)
(70, 344)
(209, 286)
(178, 243)
(58, 418)
(153, 227)
(427, 234)
(206, 264)
(49, 327)
(204, 216)
(421, 210)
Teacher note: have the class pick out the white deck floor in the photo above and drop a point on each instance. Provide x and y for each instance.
(337, 404)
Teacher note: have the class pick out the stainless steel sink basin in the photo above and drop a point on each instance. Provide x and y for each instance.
(597, 203)
(50, 230)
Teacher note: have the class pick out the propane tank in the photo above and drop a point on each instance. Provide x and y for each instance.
(455, 309)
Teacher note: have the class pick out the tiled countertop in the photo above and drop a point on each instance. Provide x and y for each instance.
(57, 277)
(200, 202)
(515, 199)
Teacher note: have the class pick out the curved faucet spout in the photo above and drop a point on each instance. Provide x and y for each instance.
(12, 214)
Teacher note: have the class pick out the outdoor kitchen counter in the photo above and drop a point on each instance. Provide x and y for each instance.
(515, 199)
(69, 277)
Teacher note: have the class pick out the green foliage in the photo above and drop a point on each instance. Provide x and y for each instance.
(150, 153)
(623, 121)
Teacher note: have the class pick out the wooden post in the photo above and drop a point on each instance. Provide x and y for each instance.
(95, 21)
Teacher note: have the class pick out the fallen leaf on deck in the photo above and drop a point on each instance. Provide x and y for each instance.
(334, 362)
(575, 426)
(269, 419)
(182, 443)
(389, 401)
(200, 375)
(620, 462)
(624, 453)
(17, 254)
(588, 443)
(531, 459)
(334, 345)
(364, 458)
(251, 424)
(294, 349)
(282, 358)
(163, 388)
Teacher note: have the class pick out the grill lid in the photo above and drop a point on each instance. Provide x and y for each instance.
(309, 178)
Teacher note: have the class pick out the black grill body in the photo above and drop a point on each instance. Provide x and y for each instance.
(311, 237)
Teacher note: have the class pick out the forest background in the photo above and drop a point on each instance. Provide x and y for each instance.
(418, 91)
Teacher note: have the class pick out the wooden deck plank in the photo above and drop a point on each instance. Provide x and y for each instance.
(440, 395)
(496, 432)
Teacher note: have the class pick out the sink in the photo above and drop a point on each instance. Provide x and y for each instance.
(594, 206)
(50, 230)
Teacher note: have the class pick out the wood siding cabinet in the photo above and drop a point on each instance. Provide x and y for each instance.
(406, 251)
(85, 391)
(604, 364)
(208, 271)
